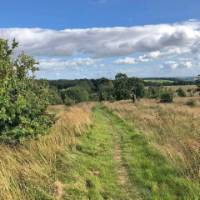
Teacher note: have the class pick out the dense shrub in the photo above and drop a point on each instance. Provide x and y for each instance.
(166, 97)
(68, 101)
(54, 96)
(76, 94)
(181, 93)
(23, 101)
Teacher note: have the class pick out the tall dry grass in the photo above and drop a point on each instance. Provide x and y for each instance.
(28, 171)
(174, 129)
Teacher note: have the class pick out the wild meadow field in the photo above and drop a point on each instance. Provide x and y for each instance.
(110, 150)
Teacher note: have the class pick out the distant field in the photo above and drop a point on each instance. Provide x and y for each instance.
(158, 81)
(184, 87)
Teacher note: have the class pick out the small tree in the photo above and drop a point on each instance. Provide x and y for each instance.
(23, 101)
(121, 87)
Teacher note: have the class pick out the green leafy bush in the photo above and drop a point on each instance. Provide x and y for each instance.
(23, 101)
(54, 96)
(68, 101)
(76, 94)
(166, 97)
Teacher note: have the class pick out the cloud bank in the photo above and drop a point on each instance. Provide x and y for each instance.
(126, 45)
(106, 42)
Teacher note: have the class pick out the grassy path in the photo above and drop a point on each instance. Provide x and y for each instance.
(113, 161)
(122, 170)
(93, 169)
(149, 172)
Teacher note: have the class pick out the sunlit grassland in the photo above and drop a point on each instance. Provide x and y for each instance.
(29, 171)
(149, 171)
(74, 161)
(158, 81)
(159, 145)
(173, 129)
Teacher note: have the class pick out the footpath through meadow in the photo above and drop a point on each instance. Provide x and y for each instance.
(114, 161)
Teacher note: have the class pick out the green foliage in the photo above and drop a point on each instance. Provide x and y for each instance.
(121, 87)
(54, 96)
(106, 91)
(126, 88)
(23, 101)
(181, 92)
(68, 101)
(75, 95)
(139, 89)
(166, 97)
(153, 92)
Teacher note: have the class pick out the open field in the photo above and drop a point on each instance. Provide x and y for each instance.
(118, 151)
(158, 81)
(184, 87)
(173, 129)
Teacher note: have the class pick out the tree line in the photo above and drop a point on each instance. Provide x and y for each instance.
(121, 88)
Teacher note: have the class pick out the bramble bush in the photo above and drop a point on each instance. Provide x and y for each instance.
(23, 100)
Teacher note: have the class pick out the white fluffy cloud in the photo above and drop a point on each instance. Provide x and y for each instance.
(60, 63)
(144, 58)
(174, 47)
(177, 64)
(107, 42)
(125, 61)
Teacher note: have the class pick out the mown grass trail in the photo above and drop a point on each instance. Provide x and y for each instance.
(91, 170)
(114, 161)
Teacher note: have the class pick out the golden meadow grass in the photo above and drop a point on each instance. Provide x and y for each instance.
(29, 171)
(27, 168)
(174, 129)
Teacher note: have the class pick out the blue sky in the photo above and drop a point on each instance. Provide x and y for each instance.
(95, 38)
